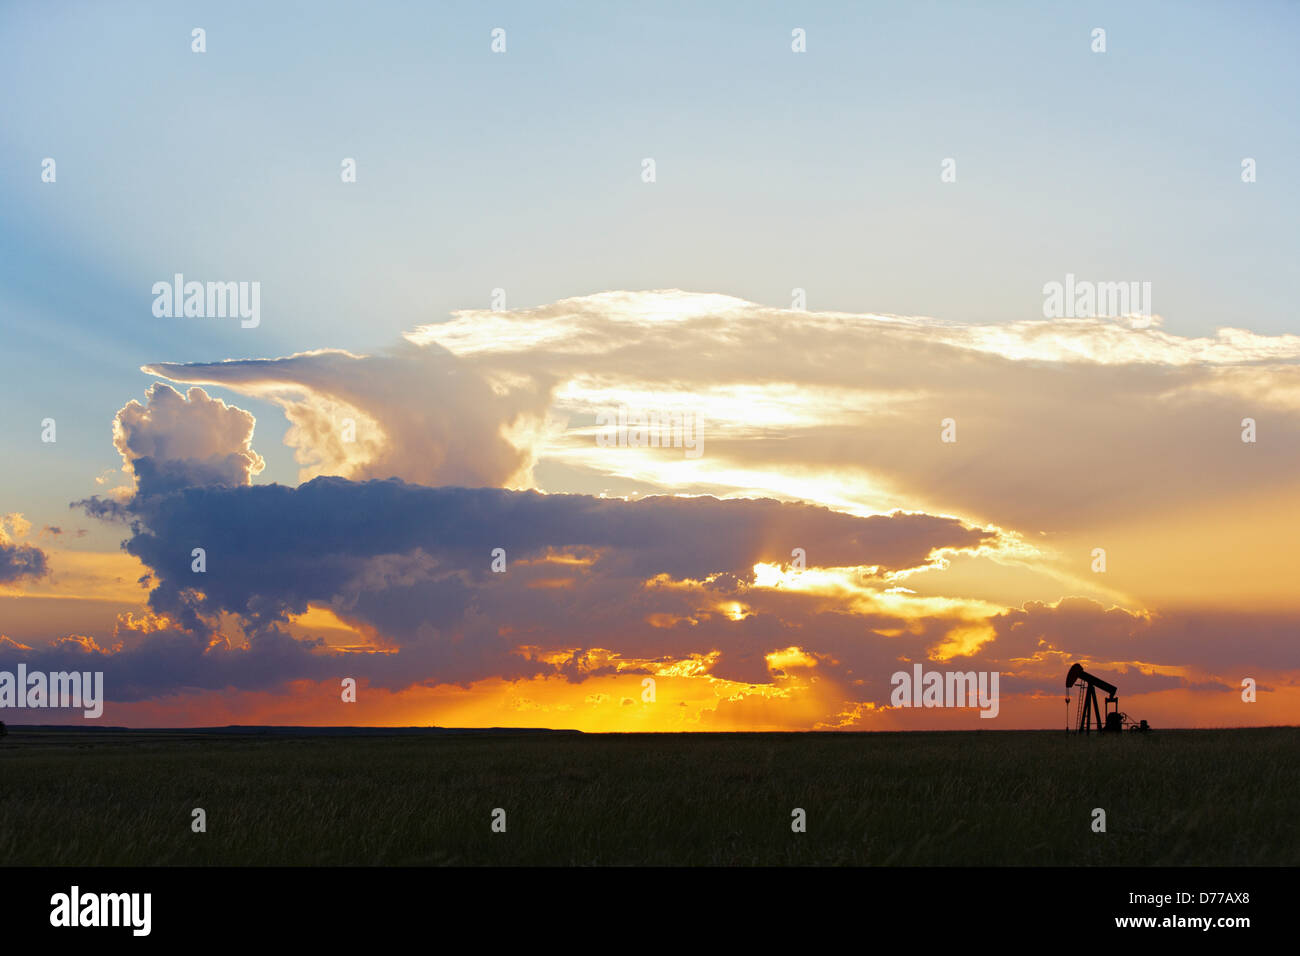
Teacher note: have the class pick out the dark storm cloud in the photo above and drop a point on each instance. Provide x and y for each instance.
(272, 549)
(414, 564)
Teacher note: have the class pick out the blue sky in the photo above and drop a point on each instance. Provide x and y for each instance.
(522, 171)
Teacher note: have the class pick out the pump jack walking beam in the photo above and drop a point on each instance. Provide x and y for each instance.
(1091, 709)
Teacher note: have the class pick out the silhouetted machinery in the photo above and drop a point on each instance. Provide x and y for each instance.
(1088, 709)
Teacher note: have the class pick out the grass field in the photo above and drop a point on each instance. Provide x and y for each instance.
(1222, 797)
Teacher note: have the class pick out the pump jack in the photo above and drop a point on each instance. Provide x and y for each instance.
(1088, 708)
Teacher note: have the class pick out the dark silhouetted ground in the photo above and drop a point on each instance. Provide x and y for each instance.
(1221, 797)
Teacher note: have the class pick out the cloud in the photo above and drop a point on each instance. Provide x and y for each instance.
(597, 587)
(410, 566)
(13, 525)
(175, 441)
(1057, 422)
(416, 413)
(1198, 641)
(608, 322)
(19, 560)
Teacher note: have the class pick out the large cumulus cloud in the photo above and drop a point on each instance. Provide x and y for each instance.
(176, 441)
(415, 413)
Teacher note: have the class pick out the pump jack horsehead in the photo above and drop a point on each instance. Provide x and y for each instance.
(1088, 708)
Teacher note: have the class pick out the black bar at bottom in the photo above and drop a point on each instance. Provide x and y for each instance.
(328, 905)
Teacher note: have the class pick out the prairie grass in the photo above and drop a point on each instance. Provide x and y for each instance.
(1201, 797)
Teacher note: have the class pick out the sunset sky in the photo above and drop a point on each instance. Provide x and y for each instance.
(439, 339)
